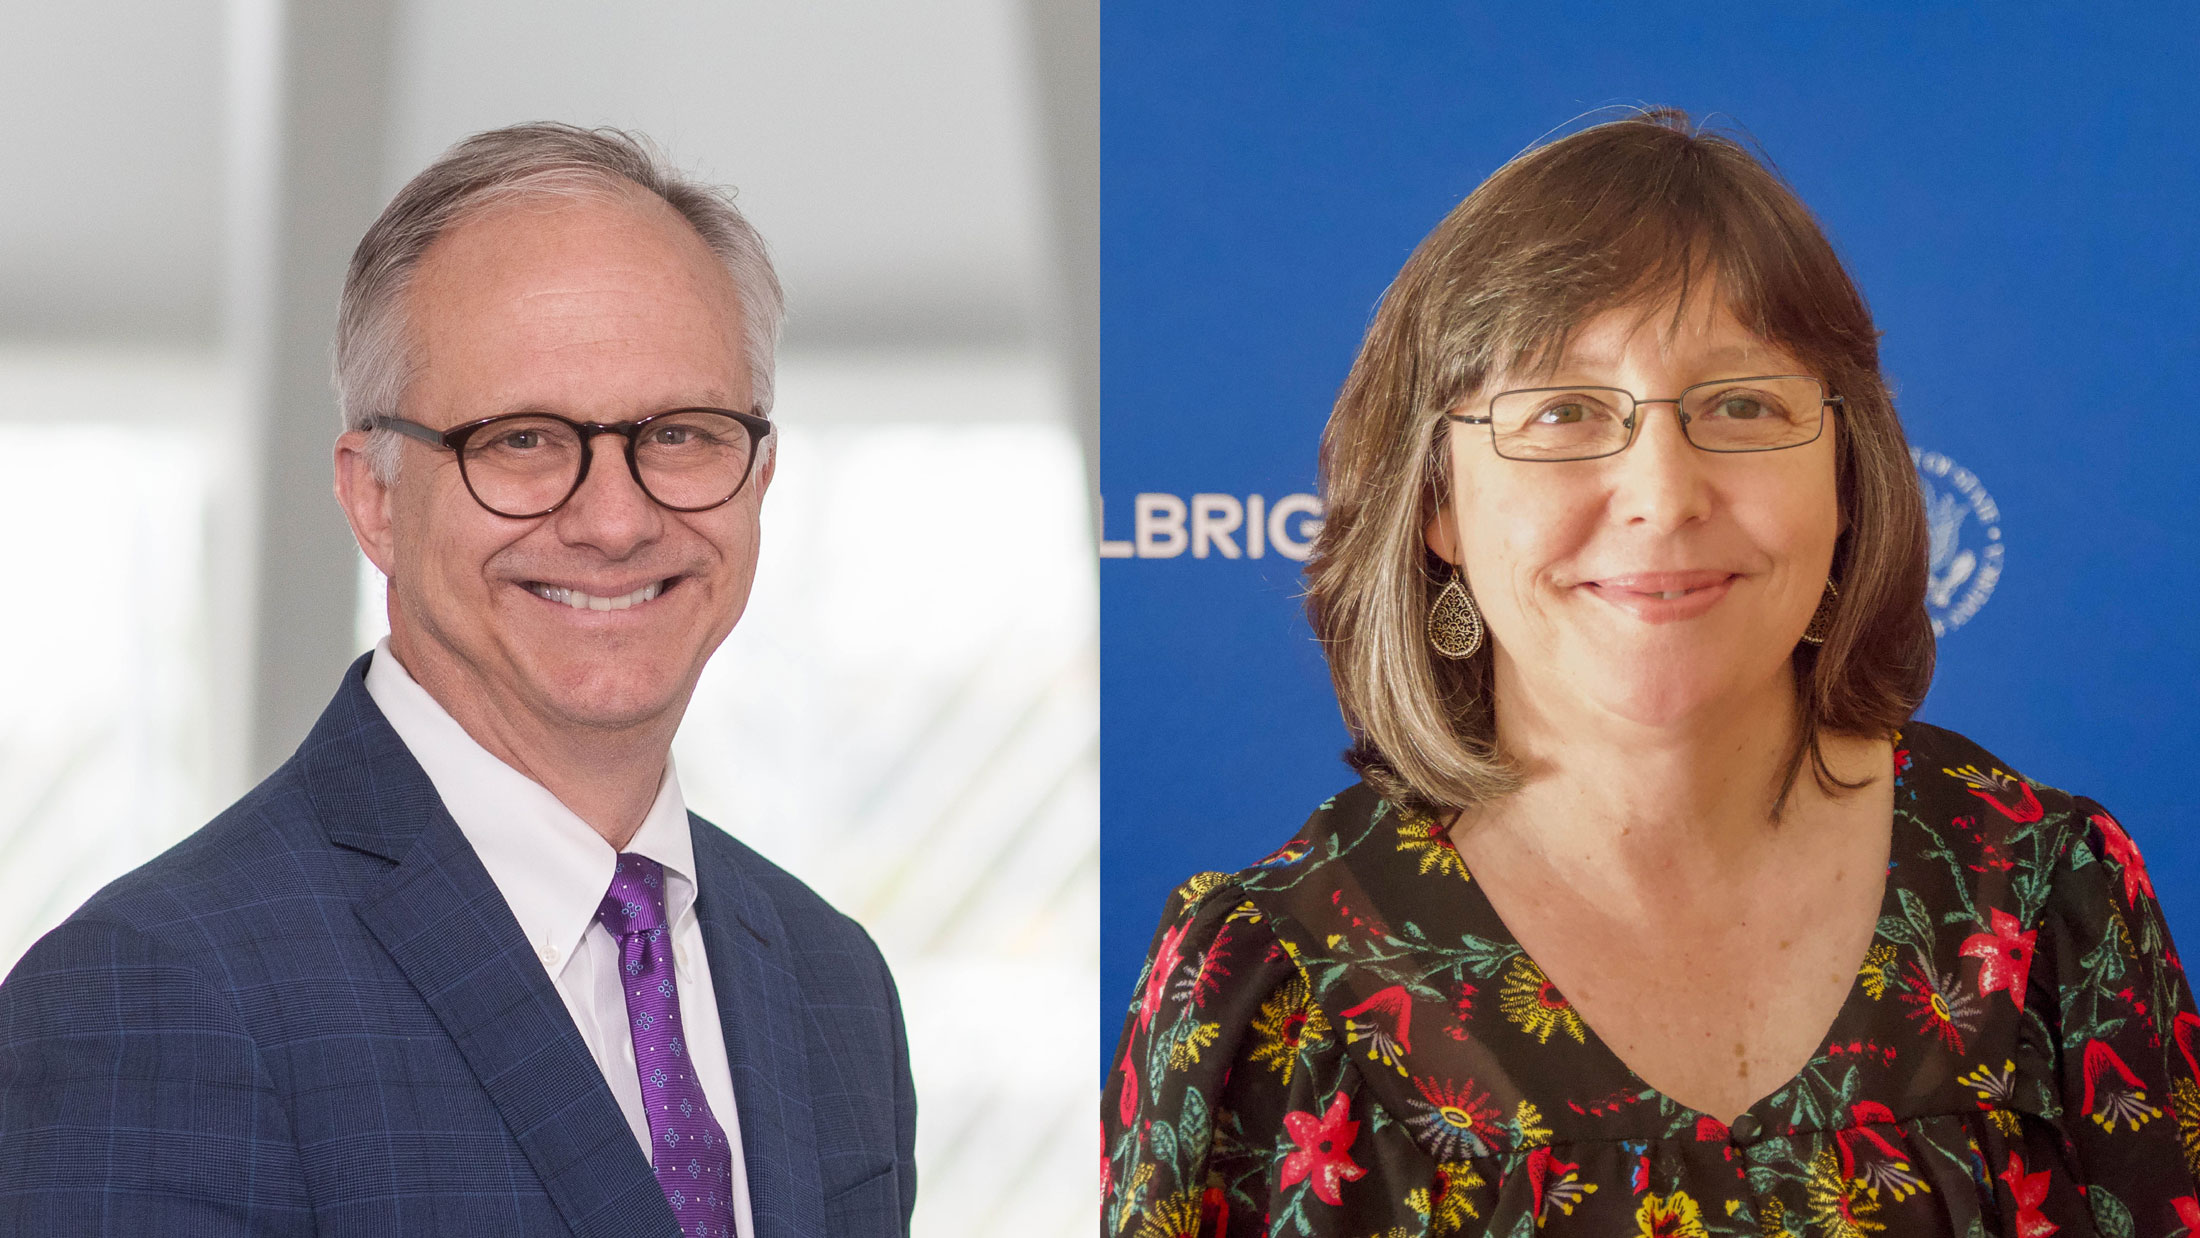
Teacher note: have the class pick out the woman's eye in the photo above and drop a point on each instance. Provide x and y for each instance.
(1739, 408)
(1563, 415)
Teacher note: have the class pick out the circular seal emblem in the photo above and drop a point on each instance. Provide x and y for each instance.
(1966, 540)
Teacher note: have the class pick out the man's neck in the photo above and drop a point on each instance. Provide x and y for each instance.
(608, 777)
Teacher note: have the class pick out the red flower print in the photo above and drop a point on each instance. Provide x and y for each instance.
(1211, 971)
(2030, 1191)
(1553, 1181)
(1325, 1145)
(1939, 1006)
(1458, 1121)
(2121, 1099)
(1385, 1021)
(1127, 1101)
(2126, 854)
(1216, 1206)
(2010, 795)
(2188, 1211)
(1165, 962)
(1462, 1011)
(2005, 956)
(1889, 1170)
(2185, 1030)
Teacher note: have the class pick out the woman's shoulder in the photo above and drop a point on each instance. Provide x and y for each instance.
(1944, 776)
(2011, 839)
(1336, 825)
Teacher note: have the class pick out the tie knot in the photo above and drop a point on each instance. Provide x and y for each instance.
(635, 903)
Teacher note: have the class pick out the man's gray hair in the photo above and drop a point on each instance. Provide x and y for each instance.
(374, 360)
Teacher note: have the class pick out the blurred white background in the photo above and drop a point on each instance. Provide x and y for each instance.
(907, 716)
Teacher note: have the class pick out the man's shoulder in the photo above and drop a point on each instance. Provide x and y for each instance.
(809, 921)
(265, 849)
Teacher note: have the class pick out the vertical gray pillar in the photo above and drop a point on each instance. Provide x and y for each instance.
(1066, 39)
(311, 101)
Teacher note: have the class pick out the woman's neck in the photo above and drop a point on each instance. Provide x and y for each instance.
(1634, 805)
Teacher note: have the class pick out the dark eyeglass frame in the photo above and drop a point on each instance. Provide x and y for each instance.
(1632, 422)
(454, 440)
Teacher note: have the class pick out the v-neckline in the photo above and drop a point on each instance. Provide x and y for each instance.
(1853, 1000)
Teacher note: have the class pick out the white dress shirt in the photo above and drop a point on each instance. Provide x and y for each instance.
(553, 870)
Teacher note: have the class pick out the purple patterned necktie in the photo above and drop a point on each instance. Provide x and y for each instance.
(688, 1148)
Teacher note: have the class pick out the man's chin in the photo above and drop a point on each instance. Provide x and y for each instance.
(598, 698)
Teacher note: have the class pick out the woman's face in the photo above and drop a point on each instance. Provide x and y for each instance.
(1659, 583)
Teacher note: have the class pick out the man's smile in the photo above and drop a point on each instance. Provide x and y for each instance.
(579, 599)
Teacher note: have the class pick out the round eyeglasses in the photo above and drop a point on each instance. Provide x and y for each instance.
(524, 465)
(1764, 413)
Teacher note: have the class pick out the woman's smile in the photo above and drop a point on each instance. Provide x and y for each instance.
(1662, 597)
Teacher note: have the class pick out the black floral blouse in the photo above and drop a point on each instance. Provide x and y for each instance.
(1344, 1040)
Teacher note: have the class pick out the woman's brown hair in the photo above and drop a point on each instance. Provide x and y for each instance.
(1636, 212)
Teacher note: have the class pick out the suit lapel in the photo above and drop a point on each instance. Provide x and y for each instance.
(761, 1009)
(440, 917)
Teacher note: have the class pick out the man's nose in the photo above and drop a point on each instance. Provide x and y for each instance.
(1659, 479)
(610, 512)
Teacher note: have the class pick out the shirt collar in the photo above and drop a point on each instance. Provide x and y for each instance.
(551, 867)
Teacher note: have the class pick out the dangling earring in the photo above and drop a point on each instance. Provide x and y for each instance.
(1821, 620)
(1454, 622)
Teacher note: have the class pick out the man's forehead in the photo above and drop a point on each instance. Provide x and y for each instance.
(599, 307)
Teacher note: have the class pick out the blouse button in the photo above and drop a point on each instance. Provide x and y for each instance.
(1745, 1128)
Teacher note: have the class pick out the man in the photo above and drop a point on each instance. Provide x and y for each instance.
(465, 965)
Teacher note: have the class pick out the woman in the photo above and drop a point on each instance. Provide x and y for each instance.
(1653, 912)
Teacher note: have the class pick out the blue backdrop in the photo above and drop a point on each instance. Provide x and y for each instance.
(2016, 196)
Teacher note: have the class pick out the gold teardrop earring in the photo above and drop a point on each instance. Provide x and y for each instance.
(1455, 622)
(1821, 620)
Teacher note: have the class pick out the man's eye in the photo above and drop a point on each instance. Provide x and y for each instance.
(673, 436)
(521, 440)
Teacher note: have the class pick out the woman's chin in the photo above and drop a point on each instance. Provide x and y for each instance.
(1671, 696)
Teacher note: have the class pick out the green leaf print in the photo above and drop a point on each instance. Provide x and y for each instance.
(2109, 1213)
(1195, 1128)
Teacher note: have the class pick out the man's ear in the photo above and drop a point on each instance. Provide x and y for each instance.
(366, 500)
(764, 467)
(1443, 535)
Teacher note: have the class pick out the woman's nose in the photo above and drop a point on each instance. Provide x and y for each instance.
(1659, 479)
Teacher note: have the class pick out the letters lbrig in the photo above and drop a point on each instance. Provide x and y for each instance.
(1165, 526)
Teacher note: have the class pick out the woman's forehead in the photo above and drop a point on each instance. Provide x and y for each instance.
(1701, 333)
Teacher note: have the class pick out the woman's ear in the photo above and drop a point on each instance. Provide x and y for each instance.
(1443, 535)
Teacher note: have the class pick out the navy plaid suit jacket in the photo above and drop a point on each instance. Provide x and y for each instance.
(317, 1016)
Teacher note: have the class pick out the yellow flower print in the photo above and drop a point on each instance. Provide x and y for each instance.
(1245, 912)
(1174, 1217)
(1878, 969)
(1424, 837)
(1669, 1216)
(1535, 1006)
(1840, 1207)
(2186, 1097)
(1450, 1211)
(1185, 1052)
(1287, 1020)
(1200, 885)
(1139, 1179)
(1528, 1128)
(1996, 1091)
(1993, 1088)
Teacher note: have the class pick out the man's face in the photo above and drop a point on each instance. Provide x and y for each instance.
(598, 310)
